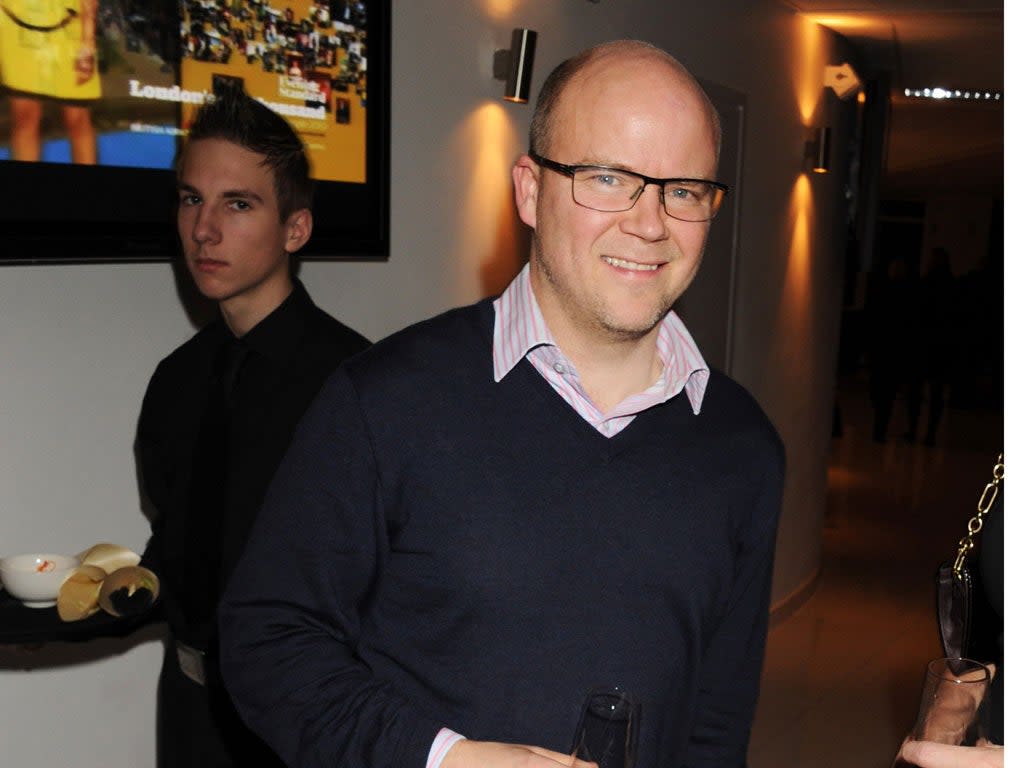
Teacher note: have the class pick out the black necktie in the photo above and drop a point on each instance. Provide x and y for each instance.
(207, 499)
(230, 358)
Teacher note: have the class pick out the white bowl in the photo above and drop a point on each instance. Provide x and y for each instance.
(35, 579)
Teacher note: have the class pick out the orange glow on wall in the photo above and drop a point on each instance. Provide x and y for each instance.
(810, 66)
(795, 310)
(853, 23)
(491, 240)
(500, 9)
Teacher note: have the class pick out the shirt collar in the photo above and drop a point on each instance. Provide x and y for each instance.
(274, 336)
(519, 327)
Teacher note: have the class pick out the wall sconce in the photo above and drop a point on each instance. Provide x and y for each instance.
(843, 80)
(514, 65)
(817, 151)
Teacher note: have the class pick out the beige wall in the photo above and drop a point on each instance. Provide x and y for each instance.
(78, 343)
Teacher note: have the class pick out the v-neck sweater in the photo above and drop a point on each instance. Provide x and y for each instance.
(440, 549)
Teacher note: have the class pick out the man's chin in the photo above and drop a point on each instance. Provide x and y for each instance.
(633, 327)
(208, 286)
(625, 331)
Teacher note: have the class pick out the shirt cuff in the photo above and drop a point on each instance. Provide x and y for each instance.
(444, 741)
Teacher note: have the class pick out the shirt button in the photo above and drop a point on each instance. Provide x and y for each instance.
(560, 368)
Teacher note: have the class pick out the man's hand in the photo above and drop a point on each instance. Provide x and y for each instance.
(930, 754)
(493, 754)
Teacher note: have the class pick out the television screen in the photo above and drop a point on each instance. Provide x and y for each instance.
(97, 95)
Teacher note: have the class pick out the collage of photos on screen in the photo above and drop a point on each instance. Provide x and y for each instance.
(138, 26)
(331, 35)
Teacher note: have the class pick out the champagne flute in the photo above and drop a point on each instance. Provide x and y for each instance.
(954, 704)
(607, 731)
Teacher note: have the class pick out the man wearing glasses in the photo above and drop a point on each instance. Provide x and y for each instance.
(545, 492)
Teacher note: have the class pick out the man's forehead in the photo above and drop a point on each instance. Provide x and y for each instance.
(628, 118)
(625, 75)
(607, 118)
(223, 166)
(214, 148)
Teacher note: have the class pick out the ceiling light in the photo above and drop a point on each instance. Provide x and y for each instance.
(946, 93)
(843, 80)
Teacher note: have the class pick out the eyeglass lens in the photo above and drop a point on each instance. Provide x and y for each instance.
(609, 189)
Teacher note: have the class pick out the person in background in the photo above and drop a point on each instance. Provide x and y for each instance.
(497, 509)
(930, 360)
(891, 311)
(986, 643)
(48, 54)
(220, 410)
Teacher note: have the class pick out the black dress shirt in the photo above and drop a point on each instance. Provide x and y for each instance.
(206, 515)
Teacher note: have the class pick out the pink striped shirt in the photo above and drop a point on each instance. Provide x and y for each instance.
(444, 741)
(520, 331)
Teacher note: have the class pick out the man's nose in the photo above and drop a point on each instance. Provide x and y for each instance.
(646, 218)
(206, 227)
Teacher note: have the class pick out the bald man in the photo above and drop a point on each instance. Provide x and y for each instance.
(500, 508)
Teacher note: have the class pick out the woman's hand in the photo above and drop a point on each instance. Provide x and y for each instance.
(85, 63)
(931, 754)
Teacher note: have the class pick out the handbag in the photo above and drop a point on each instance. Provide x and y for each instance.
(961, 607)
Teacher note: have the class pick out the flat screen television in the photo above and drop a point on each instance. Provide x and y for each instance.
(97, 97)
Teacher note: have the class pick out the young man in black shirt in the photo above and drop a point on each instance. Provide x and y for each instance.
(220, 410)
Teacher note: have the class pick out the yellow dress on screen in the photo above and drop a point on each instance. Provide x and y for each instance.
(39, 43)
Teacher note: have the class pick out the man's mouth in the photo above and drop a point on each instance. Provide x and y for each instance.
(630, 265)
(203, 263)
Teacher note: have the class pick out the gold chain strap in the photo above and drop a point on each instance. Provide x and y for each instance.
(974, 525)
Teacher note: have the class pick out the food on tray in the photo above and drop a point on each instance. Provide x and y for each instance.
(129, 591)
(79, 595)
(109, 557)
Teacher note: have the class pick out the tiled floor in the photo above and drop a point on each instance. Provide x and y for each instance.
(842, 674)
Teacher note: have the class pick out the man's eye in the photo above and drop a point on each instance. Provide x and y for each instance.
(693, 193)
(604, 179)
(189, 200)
(240, 205)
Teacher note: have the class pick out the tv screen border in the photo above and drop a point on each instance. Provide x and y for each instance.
(57, 213)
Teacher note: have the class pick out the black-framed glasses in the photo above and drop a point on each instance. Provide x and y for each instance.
(601, 188)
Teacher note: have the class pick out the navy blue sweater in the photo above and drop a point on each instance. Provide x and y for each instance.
(440, 549)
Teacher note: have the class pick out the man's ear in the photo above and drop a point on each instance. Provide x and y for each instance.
(299, 229)
(526, 182)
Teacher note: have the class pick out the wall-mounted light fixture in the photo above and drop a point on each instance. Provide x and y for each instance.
(817, 152)
(514, 65)
(843, 80)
